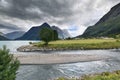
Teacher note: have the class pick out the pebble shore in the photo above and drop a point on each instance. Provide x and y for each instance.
(35, 59)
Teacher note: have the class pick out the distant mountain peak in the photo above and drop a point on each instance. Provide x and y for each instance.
(45, 24)
(33, 33)
(14, 35)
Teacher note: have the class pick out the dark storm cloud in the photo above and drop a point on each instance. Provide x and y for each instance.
(8, 26)
(59, 11)
(62, 13)
(32, 9)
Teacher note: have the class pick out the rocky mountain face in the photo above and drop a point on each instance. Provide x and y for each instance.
(108, 25)
(60, 32)
(14, 35)
(66, 33)
(33, 33)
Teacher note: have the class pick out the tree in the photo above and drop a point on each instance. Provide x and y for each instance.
(8, 65)
(55, 34)
(47, 35)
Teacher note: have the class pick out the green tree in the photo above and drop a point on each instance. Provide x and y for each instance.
(55, 34)
(8, 65)
(47, 35)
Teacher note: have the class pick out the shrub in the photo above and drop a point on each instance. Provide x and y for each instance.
(30, 42)
(117, 40)
(8, 65)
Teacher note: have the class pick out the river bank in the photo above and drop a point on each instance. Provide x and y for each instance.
(51, 72)
(115, 75)
(83, 44)
(33, 59)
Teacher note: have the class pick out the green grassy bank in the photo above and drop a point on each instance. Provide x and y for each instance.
(103, 76)
(82, 44)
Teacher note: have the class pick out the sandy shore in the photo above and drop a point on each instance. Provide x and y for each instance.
(32, 59)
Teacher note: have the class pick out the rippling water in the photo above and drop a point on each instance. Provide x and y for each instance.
(49, 72)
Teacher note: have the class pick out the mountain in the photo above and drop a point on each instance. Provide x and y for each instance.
(108, 25)
(33, 33)
(1, 34)
(60, 32)
(66, 33)
(14, 35)
(3, 38)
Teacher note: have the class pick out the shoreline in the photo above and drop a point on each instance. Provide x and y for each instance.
(110, 75)
(63, 45)
(46, 59)
(31, 48)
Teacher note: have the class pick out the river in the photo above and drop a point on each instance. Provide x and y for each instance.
(49, 72)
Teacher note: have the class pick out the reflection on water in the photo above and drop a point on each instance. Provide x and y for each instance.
(49, 72)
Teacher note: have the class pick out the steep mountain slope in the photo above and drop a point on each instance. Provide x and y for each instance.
(14, 35)
(108, 25)
(66, 33)
(60, 32)
(33, 33)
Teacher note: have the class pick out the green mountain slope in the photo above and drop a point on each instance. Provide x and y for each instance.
(108, 25)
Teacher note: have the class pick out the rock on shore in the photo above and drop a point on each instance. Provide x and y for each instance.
(31, 48)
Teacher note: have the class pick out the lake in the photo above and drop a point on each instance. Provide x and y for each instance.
(49, 72)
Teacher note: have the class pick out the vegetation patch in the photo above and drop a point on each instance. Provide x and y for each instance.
(81, 44)
(103, 76)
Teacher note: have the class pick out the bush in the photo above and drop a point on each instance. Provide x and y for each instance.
(105, 74)
(30, 42)
(117, 40)
(8, 65)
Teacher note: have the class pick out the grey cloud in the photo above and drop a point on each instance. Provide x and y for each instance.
(60, 12)
(4, 25)
(48, 8)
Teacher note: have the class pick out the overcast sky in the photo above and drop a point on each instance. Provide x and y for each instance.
(74, 15)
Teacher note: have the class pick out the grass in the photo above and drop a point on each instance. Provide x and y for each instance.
(82, 44)
(103, 76)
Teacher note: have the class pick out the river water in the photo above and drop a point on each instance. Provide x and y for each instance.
(50, 72)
